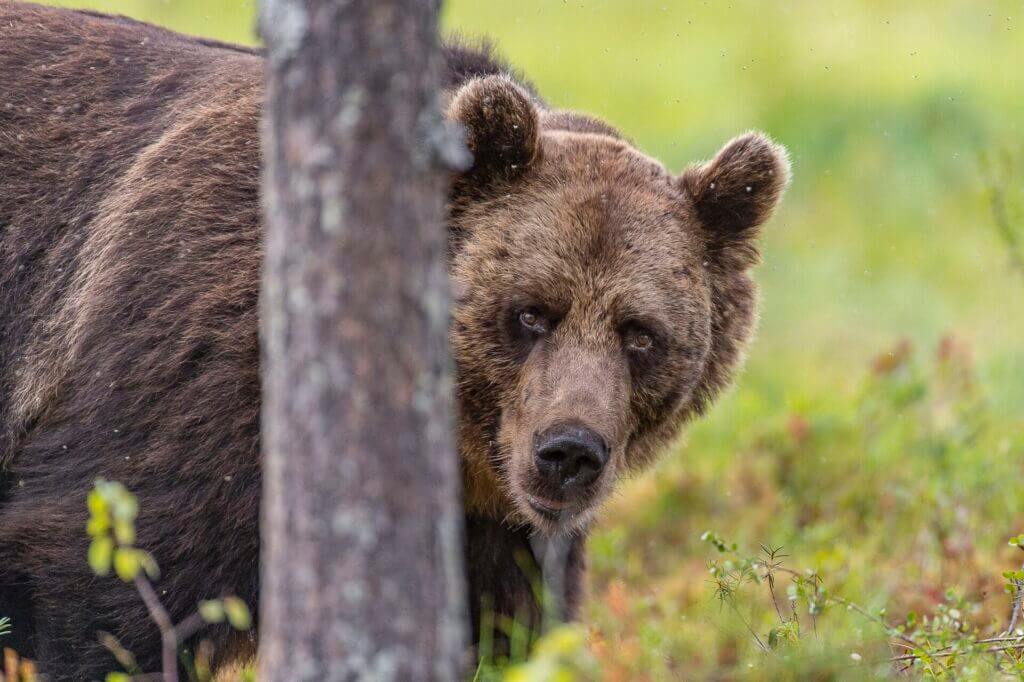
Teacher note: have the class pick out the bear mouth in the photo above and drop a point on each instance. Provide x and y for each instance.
(553, 510)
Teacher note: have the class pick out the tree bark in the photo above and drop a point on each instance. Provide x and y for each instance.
(362, 572)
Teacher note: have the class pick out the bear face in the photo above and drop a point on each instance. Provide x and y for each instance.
(599, 301)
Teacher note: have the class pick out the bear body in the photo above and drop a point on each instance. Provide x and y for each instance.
(599, 303)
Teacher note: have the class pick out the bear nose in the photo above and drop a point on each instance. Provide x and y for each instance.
(569, 457)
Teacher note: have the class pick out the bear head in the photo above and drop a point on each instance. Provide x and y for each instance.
(599, 301)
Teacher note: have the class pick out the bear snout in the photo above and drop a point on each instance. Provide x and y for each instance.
(569, 458)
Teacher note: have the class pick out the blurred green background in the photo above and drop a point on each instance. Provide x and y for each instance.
(893, 469)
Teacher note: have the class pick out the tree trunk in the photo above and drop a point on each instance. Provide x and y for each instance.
(362, 522)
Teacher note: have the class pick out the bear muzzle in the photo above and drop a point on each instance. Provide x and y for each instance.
(568, 459)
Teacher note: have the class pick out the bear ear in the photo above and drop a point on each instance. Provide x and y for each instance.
(502, 126)
(737, 191)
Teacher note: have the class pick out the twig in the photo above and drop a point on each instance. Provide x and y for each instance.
(775, 602)
(881, 621)
(991, 640)
(942, 653)
(1018, 600)
(168, 636)
(189, 627)
(750, 629)
(926, 650)
(1019, 642)
(772, 562)
(864, 612)
(122, 655)
(988, 640)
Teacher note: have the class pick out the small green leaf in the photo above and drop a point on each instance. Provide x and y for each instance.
(124, 531)
(125, 506)
(98, 525)
(126, 564)
(149, 564)
(212, 610)
(118, 677)
(97, 505)
(238, 613)
(100, 550)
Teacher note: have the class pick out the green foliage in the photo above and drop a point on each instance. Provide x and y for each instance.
(237, 613)
(112, 514)
(494, 662)
(231, 608)
(560, 655)
(943, 644)
(895, 495)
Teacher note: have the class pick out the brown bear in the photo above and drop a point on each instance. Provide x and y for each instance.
(600, 302)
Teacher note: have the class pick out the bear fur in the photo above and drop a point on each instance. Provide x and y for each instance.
(130, 252)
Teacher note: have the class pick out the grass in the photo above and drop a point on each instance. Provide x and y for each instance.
(895, 493)
(891, 470)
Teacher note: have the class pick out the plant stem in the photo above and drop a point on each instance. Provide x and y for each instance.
(163, 621)
(1018, 600)
(750, 629)
(864, 612)
(775, 602)
(941, 653)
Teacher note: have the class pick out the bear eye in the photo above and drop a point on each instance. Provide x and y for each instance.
(533, 321)
(639, 340)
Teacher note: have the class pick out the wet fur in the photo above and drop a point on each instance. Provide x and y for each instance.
(130, 252)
